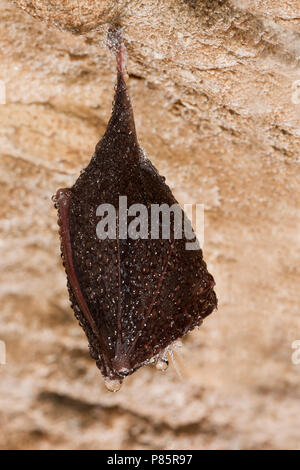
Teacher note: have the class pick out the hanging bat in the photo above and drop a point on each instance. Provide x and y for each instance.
(133, 296)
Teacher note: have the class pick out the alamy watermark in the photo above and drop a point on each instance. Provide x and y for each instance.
(296, 92)
(296, 354)
(2, 353)
(2, 92)
(160, 221)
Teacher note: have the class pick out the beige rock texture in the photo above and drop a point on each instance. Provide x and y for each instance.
(215, 87)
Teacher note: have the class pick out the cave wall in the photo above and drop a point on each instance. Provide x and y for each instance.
(214, 90)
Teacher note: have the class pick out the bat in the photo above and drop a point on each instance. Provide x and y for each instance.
(132, 295)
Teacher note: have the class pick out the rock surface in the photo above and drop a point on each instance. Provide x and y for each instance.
(214, 88)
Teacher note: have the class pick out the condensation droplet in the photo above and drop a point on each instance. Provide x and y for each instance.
(112, 385)
(162, 364)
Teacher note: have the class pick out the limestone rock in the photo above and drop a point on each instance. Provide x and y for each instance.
(215, 88)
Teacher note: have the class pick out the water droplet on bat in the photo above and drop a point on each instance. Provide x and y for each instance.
(162, 364)
(112, 385)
